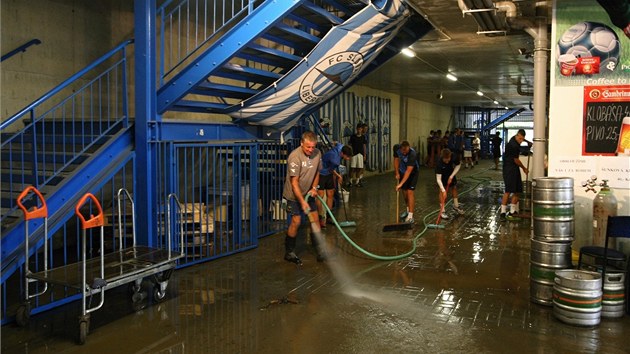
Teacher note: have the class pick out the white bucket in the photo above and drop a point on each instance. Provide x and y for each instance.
(345, 195)
(278, 212)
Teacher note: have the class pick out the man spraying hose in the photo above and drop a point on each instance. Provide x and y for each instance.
(303, 165)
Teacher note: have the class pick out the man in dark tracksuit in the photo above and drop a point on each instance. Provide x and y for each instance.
(512, 174)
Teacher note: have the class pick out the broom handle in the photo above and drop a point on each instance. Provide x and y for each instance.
(397, 205)
(442, 204)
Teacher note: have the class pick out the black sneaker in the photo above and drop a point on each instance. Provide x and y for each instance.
(359, 184)
(321, 257)
(512, 216)
(293, 258)
(349, 184)
(503, 216)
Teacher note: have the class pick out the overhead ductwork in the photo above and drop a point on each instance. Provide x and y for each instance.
(520, 90)
(485, 14)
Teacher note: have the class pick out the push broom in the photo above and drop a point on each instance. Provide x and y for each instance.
(343, 201)
(397, 226)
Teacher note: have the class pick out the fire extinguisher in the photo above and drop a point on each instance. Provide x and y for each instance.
(604, 205)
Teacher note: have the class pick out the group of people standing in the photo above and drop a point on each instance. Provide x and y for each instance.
(311, 174)
(467, 150)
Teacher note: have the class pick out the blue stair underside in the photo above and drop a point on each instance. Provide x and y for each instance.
(261, 49)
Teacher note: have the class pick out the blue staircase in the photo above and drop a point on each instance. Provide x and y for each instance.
(75, 146)
(262, 48)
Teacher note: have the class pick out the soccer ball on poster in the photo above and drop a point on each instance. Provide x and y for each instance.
(588, 48)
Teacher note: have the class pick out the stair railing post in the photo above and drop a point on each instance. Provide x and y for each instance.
(35, 173)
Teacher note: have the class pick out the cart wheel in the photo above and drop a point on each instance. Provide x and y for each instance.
(133, 288)
(83, 331)
(158, 294)
(23, 314)
(138, 296)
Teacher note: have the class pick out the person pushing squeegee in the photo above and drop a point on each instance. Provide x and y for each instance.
(406, 169)
(446, 173)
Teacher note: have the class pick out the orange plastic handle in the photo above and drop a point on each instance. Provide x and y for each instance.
(95, 221)
(41, 212)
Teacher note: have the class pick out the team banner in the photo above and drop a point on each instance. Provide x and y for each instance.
(334, 63)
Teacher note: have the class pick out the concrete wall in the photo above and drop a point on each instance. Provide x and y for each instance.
(73, 34)
(412, 120)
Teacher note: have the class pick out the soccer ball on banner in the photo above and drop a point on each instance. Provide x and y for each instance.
(589, 40)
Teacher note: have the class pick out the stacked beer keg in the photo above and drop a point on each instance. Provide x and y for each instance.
(554, 229)
(577, 297)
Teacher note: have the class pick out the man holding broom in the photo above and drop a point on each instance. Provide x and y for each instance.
(328, 174)
(446, 174)
(406, 168)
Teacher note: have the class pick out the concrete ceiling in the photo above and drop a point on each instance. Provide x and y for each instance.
(491, 63)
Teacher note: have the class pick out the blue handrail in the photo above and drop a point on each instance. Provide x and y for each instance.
(64, 124)
(64, 84)
(188, 25)
(21, 48)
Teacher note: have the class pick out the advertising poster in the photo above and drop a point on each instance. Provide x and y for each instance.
(591, 45)
(606, 121)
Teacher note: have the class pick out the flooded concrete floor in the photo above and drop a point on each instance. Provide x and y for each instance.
(464, 288)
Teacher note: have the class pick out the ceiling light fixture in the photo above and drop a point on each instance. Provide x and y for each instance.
(408, 52)
(451, 77)
(495, 102)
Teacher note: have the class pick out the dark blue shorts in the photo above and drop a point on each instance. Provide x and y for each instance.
(294, 208)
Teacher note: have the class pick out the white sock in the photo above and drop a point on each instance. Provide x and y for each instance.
(410, 216)
(512, 208)
(503, 209)
(455, 203)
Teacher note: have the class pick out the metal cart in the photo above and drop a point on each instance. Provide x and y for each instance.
(108, 270)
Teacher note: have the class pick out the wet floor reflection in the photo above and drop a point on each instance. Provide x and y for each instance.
(464, 289)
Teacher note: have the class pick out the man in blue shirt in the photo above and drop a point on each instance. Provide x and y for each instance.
(327, 175)
(406, 168)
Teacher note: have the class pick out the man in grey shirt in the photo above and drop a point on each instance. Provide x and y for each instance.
(303, 165)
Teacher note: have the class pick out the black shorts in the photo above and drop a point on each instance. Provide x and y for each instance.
(496, 154)
(512, 180)
(445, 181)
(411, 182)
(327, 182)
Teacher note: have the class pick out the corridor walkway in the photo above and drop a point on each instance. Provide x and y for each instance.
(464, 289)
